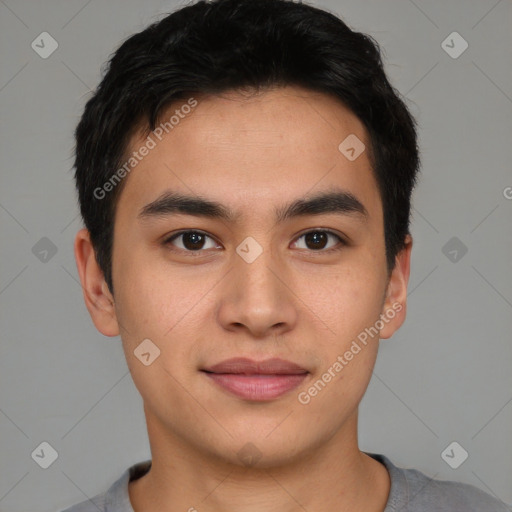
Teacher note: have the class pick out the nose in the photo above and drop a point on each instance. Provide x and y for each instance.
(258, 298)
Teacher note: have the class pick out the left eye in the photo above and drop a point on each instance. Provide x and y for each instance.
(318, 240)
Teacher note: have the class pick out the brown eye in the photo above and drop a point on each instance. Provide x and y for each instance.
(190, 241)
(318, 240)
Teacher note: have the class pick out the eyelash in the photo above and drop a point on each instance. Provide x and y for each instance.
(341, 245)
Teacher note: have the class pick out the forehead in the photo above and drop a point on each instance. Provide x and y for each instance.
(251, 150)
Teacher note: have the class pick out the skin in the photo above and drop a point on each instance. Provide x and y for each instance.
(252, 153)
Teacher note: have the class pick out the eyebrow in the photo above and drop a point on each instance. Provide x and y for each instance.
(334, 201)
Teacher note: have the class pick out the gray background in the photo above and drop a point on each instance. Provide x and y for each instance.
(445, 376)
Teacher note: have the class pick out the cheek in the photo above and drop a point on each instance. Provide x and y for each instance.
(347, 301)
(158, 302)
(349, 304)
(150, 297)
(158, 308)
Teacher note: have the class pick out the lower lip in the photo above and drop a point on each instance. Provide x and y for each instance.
(257, 387)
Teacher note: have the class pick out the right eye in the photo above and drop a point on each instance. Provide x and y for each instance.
(190, 241)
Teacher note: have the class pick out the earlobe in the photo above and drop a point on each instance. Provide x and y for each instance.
(395, 305)
(97, 296)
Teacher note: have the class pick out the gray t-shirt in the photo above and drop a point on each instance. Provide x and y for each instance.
(411, 491)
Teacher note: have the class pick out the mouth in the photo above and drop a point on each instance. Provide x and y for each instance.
(256, 380)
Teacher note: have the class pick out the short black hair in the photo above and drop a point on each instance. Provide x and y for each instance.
(211, 47)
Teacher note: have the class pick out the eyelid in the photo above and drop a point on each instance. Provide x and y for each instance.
(170, 238)
(342, 239)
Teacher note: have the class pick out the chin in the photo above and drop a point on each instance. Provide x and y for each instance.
(255, 450)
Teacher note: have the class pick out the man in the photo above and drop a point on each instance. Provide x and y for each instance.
(244, 173)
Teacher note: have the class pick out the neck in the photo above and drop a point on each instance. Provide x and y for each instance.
(336, 475)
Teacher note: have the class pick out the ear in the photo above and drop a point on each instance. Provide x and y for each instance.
(98, 299)
(395, 305)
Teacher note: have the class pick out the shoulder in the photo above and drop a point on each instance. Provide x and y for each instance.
(427, 493)
(116, 498)
(411, 490)
(96, 504)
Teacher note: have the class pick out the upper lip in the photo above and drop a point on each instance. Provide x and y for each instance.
(247, 366)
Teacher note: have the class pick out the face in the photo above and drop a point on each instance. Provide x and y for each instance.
(289, 263)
